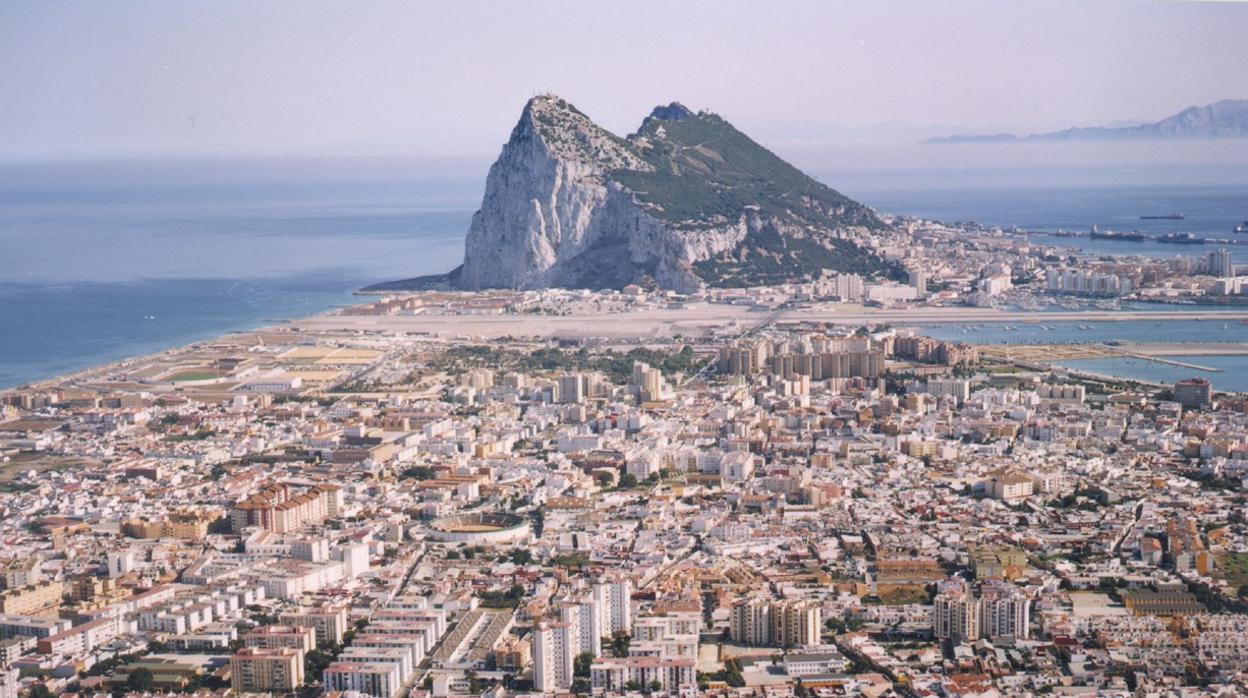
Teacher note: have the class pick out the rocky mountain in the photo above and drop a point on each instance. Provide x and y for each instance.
(686, 201)
(1225, 119)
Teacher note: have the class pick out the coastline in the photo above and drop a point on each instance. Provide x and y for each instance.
(701, 320)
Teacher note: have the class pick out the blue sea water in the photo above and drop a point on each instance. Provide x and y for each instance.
(99, 261)
(1230, 377)
(1053, 330)
(1210, 211)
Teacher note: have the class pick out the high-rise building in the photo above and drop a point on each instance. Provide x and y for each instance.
(571, 389)
(278, 509)
(918, 279)
(667, 632)
(648, 381)
(1220, 263)
(10, 681)
(372, 679)
(796, 623)
(260, 670)
(281, 636)
(749, 622)
(757, 621)
(614, 598)
(329, 622)
(584, 619)
(552, 656)
(955, 613)
(1005, 612)
(1194, 393)
(1000, 611)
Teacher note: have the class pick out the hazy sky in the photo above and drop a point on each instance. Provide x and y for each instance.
(437, 78)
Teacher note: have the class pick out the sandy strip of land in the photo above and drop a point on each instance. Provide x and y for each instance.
(1189, 349)
(668, 322)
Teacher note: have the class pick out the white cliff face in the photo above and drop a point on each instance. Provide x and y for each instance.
(536, 209)
(548, 201)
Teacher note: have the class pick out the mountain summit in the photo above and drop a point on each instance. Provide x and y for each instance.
(686, 201)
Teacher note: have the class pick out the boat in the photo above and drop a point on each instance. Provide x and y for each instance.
(1164, 217)
(1242, 228)
(1181, 239)
(1116, 235)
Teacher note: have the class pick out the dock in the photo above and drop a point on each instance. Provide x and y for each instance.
(1160, 360)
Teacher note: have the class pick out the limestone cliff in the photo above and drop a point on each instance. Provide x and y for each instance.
(686, 201)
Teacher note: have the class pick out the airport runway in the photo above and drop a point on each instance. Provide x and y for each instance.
(726, 319)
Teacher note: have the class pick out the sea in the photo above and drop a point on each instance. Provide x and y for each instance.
(104, 260)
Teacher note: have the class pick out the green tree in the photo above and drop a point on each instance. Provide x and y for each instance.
(619, 644)
(41, 691)
(417, 472)
(628, 481)
(315, 662)
(140, 680)
(580, 665)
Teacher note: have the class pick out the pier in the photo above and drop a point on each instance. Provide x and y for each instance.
(1160, 360)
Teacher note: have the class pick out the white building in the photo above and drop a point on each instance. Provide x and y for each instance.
(552, 657)
(614, 598)
(584, 618)
(616, 673)
(379, 680)
(1001, 611)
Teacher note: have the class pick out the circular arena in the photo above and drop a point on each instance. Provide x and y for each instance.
(484, 527)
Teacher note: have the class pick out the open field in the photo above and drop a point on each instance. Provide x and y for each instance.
(14, 471)
(1233, 567)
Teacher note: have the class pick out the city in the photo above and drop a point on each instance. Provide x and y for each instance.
(746, 500)
(551, 349)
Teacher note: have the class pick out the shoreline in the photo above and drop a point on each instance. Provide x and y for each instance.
(667, 323)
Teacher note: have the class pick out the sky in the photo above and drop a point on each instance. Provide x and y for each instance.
(284, 78)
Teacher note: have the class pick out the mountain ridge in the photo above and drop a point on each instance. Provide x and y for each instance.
(686, 201)
(1226, 118)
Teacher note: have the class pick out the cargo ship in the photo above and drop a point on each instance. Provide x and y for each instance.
(1167, 217)
(1115, 235)
(1181, 239)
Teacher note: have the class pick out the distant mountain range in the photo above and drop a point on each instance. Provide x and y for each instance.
(1225, 119)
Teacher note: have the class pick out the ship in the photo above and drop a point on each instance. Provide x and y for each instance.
(1242, 228)
(1165, 217)
(1116, 235)
(1181, 239)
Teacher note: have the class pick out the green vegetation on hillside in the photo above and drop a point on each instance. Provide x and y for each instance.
(706, 172)
(705, 168)
(770, 258)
